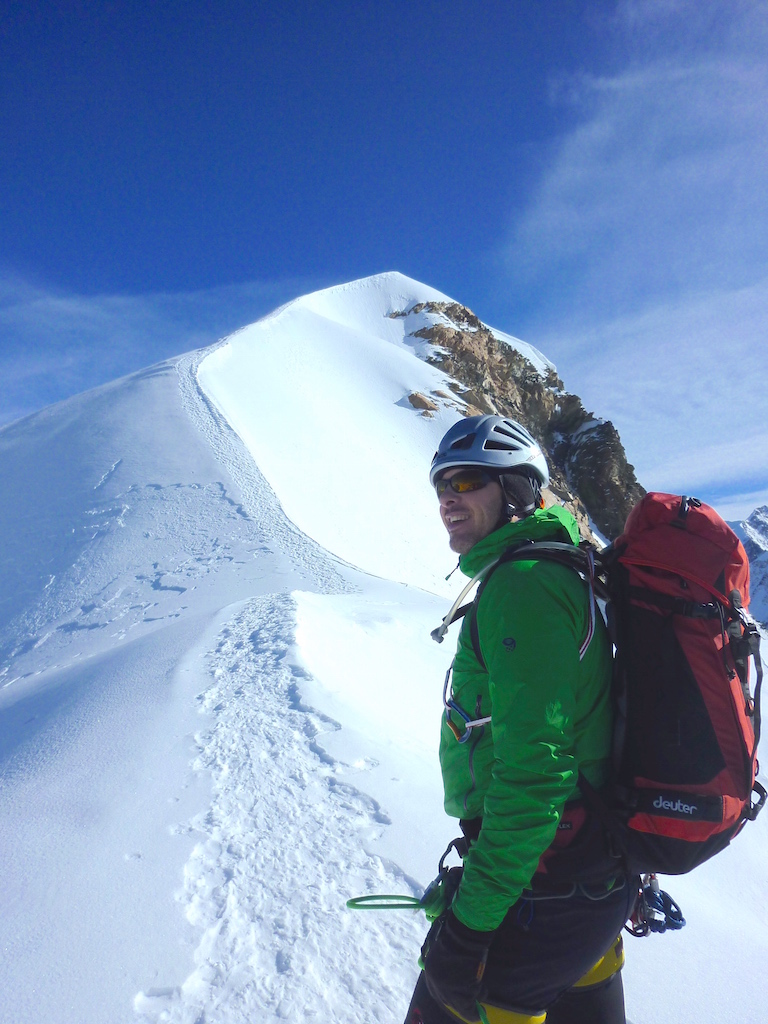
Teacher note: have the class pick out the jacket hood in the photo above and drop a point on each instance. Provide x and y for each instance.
(555, 523)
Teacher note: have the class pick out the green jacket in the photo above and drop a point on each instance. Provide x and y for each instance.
(550, 714)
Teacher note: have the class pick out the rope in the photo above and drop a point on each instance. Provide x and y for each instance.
(436, 899)
(385, 902)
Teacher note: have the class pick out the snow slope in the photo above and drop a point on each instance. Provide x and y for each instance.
(219, 700)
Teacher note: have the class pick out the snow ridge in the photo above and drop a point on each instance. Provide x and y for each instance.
(283, 849)
(258, 498)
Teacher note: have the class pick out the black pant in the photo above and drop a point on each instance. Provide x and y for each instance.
(546, 944)
(601, 1005)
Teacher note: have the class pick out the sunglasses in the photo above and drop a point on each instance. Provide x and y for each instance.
(466, 480)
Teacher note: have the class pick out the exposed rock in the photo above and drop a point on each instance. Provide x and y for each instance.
(589, 469)
(419, 401)
(595, 463)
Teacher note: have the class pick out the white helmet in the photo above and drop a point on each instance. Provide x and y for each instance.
(494, 443)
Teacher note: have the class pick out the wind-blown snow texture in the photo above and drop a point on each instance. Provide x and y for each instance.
(219, 700)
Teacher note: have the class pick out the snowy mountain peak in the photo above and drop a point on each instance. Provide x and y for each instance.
(362, 303)
(753, 533)
(219, 699)
(755, 530)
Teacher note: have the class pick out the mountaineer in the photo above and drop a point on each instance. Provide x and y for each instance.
(531, 934)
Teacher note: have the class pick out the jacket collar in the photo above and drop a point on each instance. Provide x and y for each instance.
(555, 523)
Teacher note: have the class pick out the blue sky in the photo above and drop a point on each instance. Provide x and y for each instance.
(589, 176)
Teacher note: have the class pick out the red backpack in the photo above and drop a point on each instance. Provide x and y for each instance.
(687, 725)
(676, 586)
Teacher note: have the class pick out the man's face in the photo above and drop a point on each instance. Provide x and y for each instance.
(472, 515)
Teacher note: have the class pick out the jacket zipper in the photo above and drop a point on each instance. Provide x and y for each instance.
(480, 731)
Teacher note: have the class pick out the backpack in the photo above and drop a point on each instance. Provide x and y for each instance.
(676, 591)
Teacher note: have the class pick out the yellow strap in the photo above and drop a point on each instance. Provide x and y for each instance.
(495, 1015)
(605, 967)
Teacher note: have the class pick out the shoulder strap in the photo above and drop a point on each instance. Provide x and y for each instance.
(581, 559)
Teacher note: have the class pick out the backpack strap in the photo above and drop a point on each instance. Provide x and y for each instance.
(581, 559)
(676, 605)
(474, 634)
(752, 639)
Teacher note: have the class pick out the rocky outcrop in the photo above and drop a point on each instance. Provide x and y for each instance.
(589, 468)
(595, 464)
(425, 405)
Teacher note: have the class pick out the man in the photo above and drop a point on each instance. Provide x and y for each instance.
(531, 932)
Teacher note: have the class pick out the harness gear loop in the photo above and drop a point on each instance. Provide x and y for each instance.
(655, 910)
(437, 897)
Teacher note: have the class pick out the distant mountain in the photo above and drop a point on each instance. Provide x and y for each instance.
(753, 533)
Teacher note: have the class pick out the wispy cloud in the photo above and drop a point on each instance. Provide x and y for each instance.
(54, 344)
(687, 382)
(646, 245)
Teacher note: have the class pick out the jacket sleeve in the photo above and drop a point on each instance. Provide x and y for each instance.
(530, 624)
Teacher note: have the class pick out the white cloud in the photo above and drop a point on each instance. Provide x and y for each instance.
(663, 187)
(686, 384)
(647, 249)
(732, 506)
